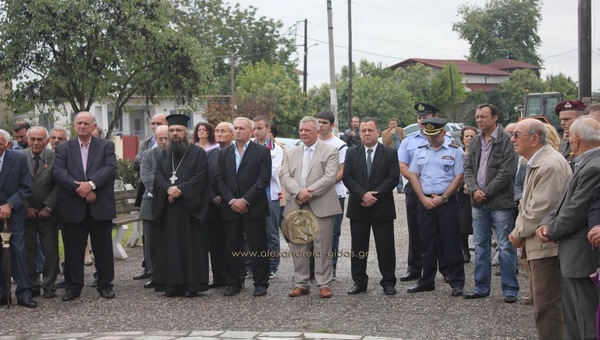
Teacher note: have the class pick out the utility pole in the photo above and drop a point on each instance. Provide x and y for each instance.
(332, 81)
(349, 63)
(232, 74)
(304, 81)
(453, 112)
(585, 50)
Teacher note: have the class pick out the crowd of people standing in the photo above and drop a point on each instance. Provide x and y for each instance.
(216, 203)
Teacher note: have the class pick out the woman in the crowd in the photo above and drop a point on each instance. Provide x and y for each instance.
(466, 220)
(204, 136)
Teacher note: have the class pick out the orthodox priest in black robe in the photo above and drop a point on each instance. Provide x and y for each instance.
(179, 208)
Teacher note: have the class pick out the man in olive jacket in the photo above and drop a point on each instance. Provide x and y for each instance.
(489, 174)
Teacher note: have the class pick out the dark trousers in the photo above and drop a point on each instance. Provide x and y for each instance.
(256, 236)
(383, 232)
(75, 239)
(579, 300)
(18, 262)
(414, 240)
(216, 245)
(47, 232)
(440, 238)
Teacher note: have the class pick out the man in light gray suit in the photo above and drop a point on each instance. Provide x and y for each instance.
(567, 224)
(147, 169)
(308, 175)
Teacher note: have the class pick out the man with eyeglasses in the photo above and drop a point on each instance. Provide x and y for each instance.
(546, 178)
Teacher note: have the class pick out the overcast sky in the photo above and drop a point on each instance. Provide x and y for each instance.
(389, 31)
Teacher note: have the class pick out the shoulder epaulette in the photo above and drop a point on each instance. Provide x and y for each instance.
(454, 145)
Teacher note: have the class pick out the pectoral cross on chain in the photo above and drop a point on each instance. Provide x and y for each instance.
(173, 178)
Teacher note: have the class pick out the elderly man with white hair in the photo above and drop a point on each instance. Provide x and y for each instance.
(567, 224)
(548, 173)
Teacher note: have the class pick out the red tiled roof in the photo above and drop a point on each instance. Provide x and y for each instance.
(482, 87)
(510, 64)
(464, 66)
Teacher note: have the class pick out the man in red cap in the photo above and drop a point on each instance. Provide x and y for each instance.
(568, 111)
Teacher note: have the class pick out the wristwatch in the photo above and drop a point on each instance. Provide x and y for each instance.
(445, 198)
(93, 185)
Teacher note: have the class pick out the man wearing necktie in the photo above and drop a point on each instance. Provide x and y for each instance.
(14, 190)
(41, 219)
(85, 169)
(309, 178)
(371, 173)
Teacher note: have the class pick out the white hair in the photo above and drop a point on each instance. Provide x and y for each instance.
(38, 128)
(310, 119)
(6, 136)
(245, 120)
(229, 126)
(62, 129)
(587, 129)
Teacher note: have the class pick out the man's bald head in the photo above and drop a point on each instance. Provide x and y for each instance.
(157, 120)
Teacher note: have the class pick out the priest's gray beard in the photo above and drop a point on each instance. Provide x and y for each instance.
(178, 146)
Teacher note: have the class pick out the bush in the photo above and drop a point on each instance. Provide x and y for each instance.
(126, 172)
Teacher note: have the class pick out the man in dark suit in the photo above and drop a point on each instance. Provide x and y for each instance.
(14, 189)
(371, 173)
(243, 175)
(41, 220)
(85, 169)
(147, 170)
(567, 224)
(216, 242)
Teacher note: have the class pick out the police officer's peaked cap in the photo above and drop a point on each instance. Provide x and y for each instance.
(433, 126)
(422, 109)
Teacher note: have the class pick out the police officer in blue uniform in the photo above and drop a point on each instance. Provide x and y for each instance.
(405, 154)
(436, 173)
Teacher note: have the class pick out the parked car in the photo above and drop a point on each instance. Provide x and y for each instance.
(290, 143)
(453, 130)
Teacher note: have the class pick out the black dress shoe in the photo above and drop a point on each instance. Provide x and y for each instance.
(149, 284)
(36, 292)
(28, 302)
(106, 293)
(467, 258)
(173, 294)
(474, 296)
(144, 275)
(260, 291)
(457, 291)
(49, 294)
(389, 290)
(356, 289)
(232, 290)
(510, 299)
(410, 276)
(190, 294)
(95, 283)
(69, 296)
(420, 288)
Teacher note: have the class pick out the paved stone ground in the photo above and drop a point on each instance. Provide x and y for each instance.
(143, 314)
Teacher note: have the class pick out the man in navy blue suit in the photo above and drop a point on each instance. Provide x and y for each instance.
(14, 190)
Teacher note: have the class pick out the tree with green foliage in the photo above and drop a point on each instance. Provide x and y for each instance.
(447, 91)
(226, 29)
(562, 83)
(417, 80)
(264, 89)
(501, 29)
(83, 51)
(519, 84)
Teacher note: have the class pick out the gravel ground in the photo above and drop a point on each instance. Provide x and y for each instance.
(430, 315)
